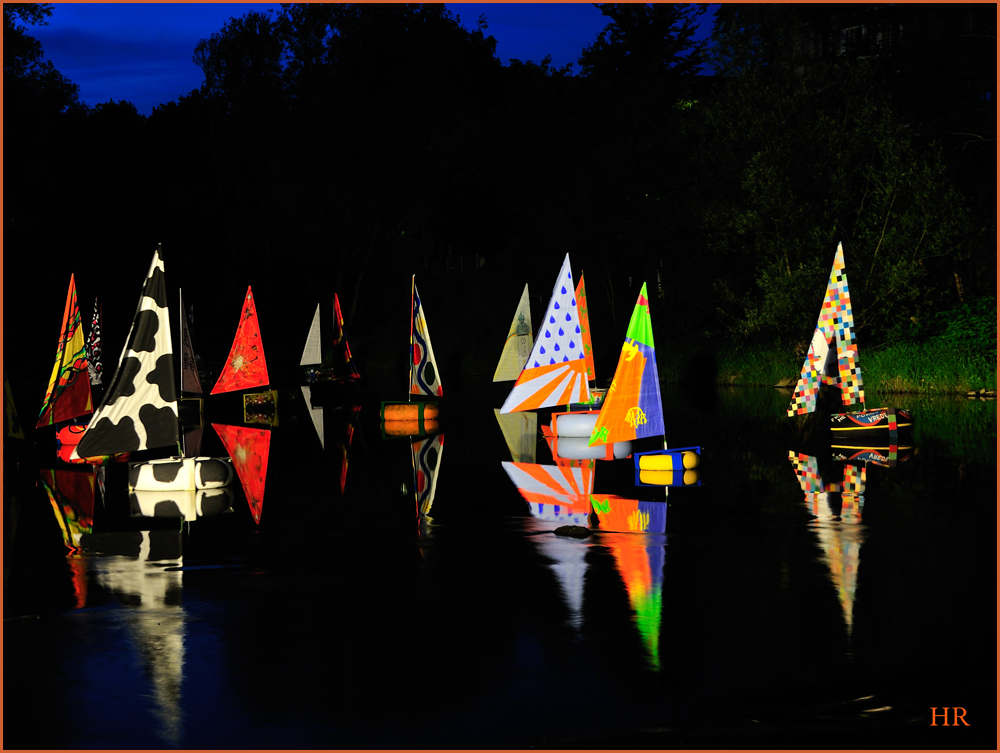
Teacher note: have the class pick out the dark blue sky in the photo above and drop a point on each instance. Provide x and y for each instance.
(141, 52)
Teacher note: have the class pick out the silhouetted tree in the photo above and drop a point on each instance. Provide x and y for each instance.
(645, 41)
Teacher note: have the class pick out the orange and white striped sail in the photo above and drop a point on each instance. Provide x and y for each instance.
(553, 491)
(556, 371)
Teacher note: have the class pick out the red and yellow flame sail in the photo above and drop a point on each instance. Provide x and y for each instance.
(68, 393)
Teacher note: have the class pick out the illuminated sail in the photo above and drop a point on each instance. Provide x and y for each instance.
(71, 493)
(11, 424)
(517, 346)
(427, 454)
(632, 408)
(343, 366)
(623, 515)
(424, 376)
(249, 448)
(556, 370)
(190, 381)
(834, 328)
(139, 409)
(68, 393)
(245, 367)
(584, 309)
(95, 363)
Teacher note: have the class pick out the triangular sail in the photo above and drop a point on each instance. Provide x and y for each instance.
(424, 376)
(249, 448)
(640, 561)
(245, 367)
(554, 493)
(520, 431)
(95, 363)
(556, 370)
(344, 364)
(68, 393)
(632, 408)
(835, 326)
(139, 409)
(315, 414)
(190, 381)
(517, 347)
(11, 424)
(584, 309)
(312, 354)
(427, 453)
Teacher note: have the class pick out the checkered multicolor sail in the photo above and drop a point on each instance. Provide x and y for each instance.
(835, 326)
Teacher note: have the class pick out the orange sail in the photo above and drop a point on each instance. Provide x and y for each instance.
(68, 393)
(245, 367)
(583, 308)
(249, 448)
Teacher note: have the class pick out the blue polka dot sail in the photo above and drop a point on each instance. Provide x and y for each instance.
(556, 381)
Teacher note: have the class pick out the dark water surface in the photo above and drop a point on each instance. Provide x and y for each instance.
(761, 617)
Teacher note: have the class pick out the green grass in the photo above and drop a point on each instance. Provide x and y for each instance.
(930, 368)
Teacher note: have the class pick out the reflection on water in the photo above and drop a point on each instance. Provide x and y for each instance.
(249, 448)
(143, 573)
(557, 493)
(836, 509)
(640, 559)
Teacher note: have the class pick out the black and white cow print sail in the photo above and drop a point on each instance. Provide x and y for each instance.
(139, 410)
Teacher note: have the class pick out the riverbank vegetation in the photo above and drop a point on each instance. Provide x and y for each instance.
(342, 148)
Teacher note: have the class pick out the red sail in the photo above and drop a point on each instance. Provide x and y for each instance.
(245, 368)
(68, 393)
(248, 447)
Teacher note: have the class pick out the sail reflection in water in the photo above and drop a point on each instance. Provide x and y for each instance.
(141, 570)
(559, 494)
(249, 448)
(427, 453)
(71, 493)
(520, 431)
(837, 526)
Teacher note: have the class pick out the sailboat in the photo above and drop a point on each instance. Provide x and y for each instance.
(596, 394)
(246, 368)
(425, 379)
(339, 366)
(139, 409)
(633, 409)
(833, 348)
(556, 371)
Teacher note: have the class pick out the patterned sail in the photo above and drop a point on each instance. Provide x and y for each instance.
(139, 409)
(344, 364)
(68, 393)
(95, 363)
(427, 454)
(632, 408)
(424, 376)
(249, 448)
(71, 493)
(190, 381)
(517, 347)
(556, 371)
(835, 327)
(588, 348)
(245, 367)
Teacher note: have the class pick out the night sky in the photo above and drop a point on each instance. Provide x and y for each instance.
(142, 52)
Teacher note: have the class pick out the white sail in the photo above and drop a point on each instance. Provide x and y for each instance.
(517, 347)
(312, 354)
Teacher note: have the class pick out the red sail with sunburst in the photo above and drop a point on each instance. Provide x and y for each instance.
(245, 367)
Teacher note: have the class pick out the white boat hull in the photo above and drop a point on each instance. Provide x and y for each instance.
(180, 474)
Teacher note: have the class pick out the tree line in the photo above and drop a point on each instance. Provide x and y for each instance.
(344, 147)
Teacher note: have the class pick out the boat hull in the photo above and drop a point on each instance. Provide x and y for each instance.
(180, 474)
(875, 428)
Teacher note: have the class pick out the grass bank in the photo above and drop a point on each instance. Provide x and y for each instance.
(915, 368)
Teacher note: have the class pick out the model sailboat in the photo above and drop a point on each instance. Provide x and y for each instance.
(246, 368)
(556, 371)
(339, 366)
(425, 380)
(833, 348)
(633, 408)
(139, 409)
(68, 393)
